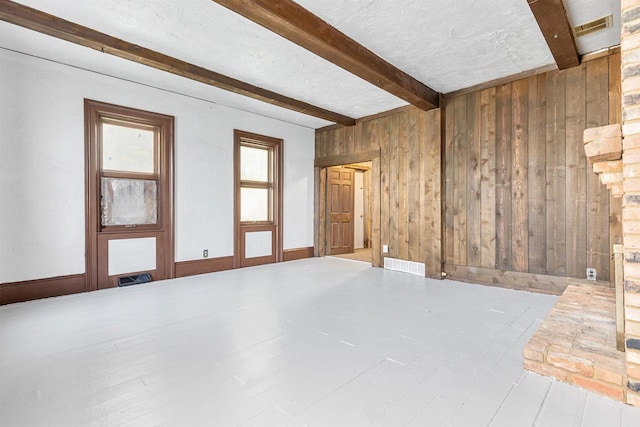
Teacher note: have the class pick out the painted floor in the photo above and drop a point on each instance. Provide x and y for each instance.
(363, 255)
(318, 342)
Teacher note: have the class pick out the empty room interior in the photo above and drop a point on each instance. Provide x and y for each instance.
(322, 213)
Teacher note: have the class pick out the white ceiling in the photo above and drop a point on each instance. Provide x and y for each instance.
(446, 44)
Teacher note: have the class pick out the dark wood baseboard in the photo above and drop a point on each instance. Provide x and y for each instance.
(202, 266)
(541, 283)
(41, 288)
(298, 253)
(64, 285)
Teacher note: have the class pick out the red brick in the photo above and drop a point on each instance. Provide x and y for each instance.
(609, 375)
(570, 363)
(546, 370)
(609, 390)
(533, 354)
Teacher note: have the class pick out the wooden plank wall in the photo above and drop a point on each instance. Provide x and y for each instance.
(520, 195)
(405, 146)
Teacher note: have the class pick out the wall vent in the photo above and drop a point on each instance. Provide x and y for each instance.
(404, 266)
(593, 26)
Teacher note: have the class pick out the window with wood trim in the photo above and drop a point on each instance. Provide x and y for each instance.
(258, 171)
(258, 199)
(129, 173)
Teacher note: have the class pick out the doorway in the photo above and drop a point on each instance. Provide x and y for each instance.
(348, 218)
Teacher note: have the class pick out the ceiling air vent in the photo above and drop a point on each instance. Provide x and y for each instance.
(593, 26)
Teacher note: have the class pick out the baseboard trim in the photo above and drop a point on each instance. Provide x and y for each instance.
(541, 283)
(41, 288)
(297, 253)
(202, 266)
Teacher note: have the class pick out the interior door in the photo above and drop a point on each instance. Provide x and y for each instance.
(340, 182)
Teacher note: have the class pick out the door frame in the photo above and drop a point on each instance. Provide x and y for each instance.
(96, 242)
(320, 202)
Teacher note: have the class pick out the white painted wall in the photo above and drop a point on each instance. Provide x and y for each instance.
(42, 167)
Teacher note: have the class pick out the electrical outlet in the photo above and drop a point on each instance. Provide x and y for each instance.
(591, 274)
(205, 253)
(385, 249)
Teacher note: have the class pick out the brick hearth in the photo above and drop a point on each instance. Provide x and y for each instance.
(576, 343)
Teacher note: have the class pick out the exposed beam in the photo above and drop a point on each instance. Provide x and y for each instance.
(293, 22)
(45, 23)
(554, 24)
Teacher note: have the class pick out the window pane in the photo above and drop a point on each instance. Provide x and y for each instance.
(254, 204)
(127, 149)
(129, 201)
(254, 164)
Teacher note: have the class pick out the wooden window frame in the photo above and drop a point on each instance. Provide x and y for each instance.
(134, 122)
(163, 230)
(276, 193)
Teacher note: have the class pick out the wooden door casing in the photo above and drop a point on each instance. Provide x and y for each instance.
(340, 194)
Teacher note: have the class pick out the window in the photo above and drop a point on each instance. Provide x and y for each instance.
(257, 167)
(258, 199)
(129, 193)
(129, 173)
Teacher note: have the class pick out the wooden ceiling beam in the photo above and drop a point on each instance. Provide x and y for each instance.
(295, 23)
(45, 23)
(554, 24)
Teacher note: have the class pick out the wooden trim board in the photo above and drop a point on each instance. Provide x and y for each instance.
(41, 288)
(297, 253)
(202, 266)
(347, 158)
(541, 283)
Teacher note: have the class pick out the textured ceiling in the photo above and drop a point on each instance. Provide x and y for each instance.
(446, 44)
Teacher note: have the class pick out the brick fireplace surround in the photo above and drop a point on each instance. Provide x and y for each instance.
(583, 320)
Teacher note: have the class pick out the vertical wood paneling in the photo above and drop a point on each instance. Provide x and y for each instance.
(518, 192)
(576, 170)
(385, 172)
(449, 179)
(375, 207)
(503, 177)
(434, 194)
(474, 242)
(322, 214)
(460, 181)
(394, 186)
(316, 210)
(597, 194)
(615, 116)
(519, 176)
(488, 178)
(414, 187)
(408, 204)
(537, 175)
(403, 196)
(430, 225)
(555, 174)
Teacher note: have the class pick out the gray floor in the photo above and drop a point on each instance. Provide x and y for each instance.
(321, 342)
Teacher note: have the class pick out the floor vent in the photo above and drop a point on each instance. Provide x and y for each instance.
(405, 266)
